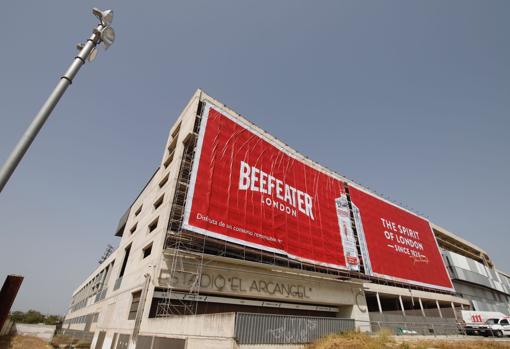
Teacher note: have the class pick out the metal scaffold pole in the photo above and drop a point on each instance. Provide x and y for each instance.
(104, 34)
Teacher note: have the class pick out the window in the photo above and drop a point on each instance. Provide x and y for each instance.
(124, 263)
(163, 181)
(114, 340)
(134, 305)
(123, 341)
(133, 228)
(177, 129)
(159, 202)
(139, 210)
(120, 230)
(100, 339)
(153, 225)
(168, 160)
(147, 250)
(172, 145)
(504, 322)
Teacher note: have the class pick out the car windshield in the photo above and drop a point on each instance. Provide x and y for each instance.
(492, 321)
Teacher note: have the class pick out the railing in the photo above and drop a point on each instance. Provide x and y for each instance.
(418, 328)
(410, 324)
(286, 329)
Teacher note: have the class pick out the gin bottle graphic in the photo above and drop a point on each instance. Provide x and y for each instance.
(346, 234)
(362, 240)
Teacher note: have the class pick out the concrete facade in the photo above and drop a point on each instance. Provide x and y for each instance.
(117, 302)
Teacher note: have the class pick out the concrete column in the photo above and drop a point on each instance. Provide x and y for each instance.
(421, 307)
(358, 311)
(402, 305)
(461, 306)
(378, 302)
(439, 309)
(454, 312)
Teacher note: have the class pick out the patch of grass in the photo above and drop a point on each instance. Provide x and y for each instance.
(355, 340)
(384, 340)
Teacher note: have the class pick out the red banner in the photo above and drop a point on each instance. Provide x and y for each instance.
(247, 189)
(396, 244)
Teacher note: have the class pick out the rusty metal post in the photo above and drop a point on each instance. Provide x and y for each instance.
(8, 295)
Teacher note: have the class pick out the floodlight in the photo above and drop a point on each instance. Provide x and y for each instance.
(105, 17)
(107, 37)
(104, 34)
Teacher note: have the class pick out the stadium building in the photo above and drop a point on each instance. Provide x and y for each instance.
(238, 240)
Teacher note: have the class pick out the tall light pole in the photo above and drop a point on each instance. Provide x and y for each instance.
(104, 34)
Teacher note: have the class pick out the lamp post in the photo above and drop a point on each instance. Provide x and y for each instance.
(102, 34)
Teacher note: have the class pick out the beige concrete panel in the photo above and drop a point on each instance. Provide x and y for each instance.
(357, 311)
(243, 281)
(205, 325)
(210, 343)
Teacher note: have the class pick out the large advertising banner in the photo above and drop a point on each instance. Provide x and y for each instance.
(247, 189)
(396, 244)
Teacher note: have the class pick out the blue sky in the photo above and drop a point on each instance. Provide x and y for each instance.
(409, 98)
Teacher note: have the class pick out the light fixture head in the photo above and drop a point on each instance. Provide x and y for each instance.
(105, 17)
(107, 37)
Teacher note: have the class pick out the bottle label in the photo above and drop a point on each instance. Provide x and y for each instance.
(346, 233)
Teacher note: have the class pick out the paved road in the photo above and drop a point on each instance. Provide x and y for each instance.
(449, 338)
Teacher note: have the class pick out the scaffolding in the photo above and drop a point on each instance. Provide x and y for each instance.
(185, 250)
(178, 245)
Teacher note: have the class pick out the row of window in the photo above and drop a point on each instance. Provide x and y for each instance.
(147, 250)
(152, 225)
(84, 293)
(171, 149)
(96, 285)
(164, 180)
(79, 305)
(92, 317)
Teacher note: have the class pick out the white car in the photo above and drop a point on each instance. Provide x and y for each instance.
(497, 327)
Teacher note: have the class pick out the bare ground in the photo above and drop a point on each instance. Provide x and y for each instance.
(23, 342)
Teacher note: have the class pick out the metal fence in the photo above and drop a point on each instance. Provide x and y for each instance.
(418, 328)
(286, 329)
(409, 324)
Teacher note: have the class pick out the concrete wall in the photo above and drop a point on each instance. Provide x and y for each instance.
(44, 332)
(237, 278)
(201, 331)
(206, 325)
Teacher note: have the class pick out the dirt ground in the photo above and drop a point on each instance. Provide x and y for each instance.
(383, 340)
(23, 342)
(344, 341)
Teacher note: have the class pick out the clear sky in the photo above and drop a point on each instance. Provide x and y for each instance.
(409, 98)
